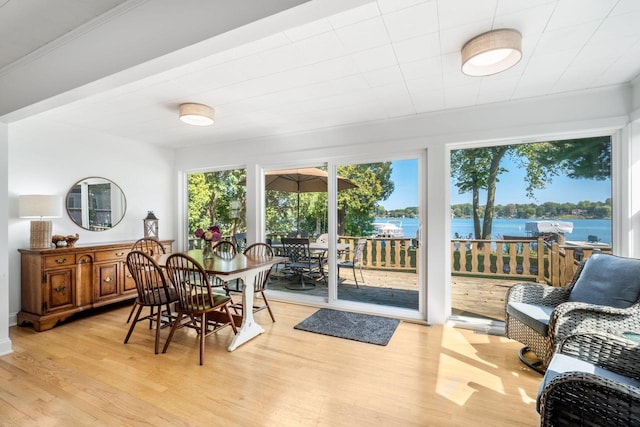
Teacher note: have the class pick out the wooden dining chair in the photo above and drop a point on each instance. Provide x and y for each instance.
(153, 292)
(260, 282)
(225, 249)
(198, 307)
(150, 246)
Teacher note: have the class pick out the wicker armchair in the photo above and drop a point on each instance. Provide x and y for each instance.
(593, 380)
(604, 295)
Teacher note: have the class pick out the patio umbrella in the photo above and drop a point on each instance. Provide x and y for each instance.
(306, 180)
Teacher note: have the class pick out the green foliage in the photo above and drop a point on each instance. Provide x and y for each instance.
(209, 197)
(583, 209)
(359, 204)
(408, 212)
(211, 192)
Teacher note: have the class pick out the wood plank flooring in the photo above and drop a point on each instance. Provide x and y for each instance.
(81, 373)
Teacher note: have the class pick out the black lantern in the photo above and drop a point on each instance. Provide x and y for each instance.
(151, 225)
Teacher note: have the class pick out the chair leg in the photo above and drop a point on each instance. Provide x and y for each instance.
(264, 299)
(233, 324)
(133, 324)
(203, 335)
(173, 329)
(533, 365)
(158, 319)
(133, 308)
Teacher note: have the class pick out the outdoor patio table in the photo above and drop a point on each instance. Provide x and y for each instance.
(239, 267)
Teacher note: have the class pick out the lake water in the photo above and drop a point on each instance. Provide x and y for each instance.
(582, 228)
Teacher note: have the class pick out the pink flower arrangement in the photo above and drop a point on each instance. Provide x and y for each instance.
(211, 234)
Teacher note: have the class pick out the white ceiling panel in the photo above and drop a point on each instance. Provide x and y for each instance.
(569, 13)
(382, 59)
(412, 22)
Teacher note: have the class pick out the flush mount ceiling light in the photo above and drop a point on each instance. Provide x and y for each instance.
(492, 52)
(197, 114)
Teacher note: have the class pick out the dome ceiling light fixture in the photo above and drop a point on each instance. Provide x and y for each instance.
(197, 114)
(492, 52)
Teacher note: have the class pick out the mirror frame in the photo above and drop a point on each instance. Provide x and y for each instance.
(71, 195)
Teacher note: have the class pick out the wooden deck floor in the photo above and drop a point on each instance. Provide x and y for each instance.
(475, 297)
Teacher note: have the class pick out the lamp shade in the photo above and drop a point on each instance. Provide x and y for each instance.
(39, 206)
(197, 114)
(492, 52)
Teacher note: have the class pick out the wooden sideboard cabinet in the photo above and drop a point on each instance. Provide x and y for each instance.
(59, 282)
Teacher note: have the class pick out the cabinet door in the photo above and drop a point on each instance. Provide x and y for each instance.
(107, 275)
(59, 285)
(129, 285)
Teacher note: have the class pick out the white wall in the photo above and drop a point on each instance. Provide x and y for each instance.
(5, 342)
(49, 159)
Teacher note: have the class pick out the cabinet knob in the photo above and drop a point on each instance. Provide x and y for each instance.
(119, 253)
(59, 288)
(61, 260)
(107, 279)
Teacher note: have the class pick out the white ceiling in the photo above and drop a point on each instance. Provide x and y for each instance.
(385, 59)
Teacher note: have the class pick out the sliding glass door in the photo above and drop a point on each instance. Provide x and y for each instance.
(378, 246)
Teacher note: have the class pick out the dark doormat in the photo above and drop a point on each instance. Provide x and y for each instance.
(354, 326)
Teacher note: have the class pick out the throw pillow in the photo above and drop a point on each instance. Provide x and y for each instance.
(608, 280)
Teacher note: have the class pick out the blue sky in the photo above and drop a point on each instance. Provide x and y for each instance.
(511, 188)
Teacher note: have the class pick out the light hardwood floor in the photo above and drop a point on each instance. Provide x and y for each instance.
(81, 373)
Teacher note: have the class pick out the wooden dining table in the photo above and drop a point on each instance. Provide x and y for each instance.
(244, 267)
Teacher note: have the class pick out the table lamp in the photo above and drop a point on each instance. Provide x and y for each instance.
(40, 206)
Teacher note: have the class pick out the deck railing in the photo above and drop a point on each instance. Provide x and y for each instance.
(531, 259)
(528, 259)
(522, 258)
(384, 253)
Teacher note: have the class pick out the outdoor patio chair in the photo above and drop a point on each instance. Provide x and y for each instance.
(604, 295)
(204, 310)
(592, 380)
(355, 262)
(240, 240)
(301, 263)
(150, 246)
(153, 292)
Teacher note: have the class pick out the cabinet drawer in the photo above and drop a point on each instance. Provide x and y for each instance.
(59, 260)
(114, 255)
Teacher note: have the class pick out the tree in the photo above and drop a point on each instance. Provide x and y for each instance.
(209, 197)
(479, 169)
(358, 204)
(475, 169)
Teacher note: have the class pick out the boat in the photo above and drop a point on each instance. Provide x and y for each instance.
(390, 229)
(547, 227)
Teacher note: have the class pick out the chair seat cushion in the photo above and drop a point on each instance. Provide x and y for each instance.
(608, 280)
(561, 363)
(534, 316)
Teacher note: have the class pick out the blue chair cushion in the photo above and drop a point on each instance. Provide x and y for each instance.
(608, 280)
(561, 363)
(534, 316)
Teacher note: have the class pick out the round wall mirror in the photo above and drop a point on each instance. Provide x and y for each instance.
(96, 204)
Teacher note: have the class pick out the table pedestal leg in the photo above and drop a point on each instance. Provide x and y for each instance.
(249, 328)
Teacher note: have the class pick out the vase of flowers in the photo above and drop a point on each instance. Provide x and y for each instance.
(209, 237)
